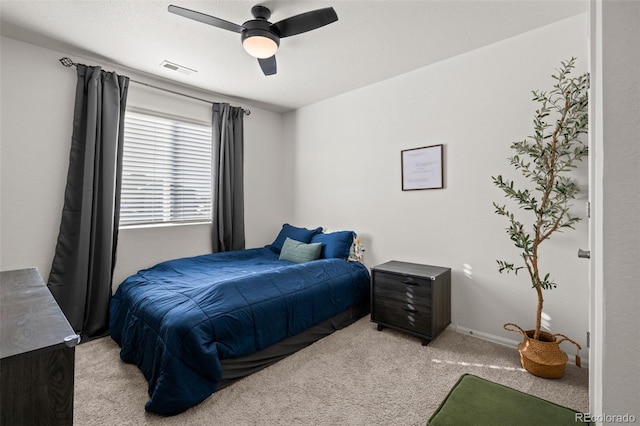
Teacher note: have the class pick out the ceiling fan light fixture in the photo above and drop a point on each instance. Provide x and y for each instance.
(260, 47)
(260, 38)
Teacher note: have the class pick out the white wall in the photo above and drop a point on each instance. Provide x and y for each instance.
(347, 175)
(617, 28)
(37, 111)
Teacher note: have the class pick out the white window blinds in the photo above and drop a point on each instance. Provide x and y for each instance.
(166, 171)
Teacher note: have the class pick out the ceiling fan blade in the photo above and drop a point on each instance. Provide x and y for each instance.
(305, 22)
(268, 65)
(211, 20)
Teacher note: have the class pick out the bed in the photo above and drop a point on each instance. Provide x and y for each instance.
(195, 325)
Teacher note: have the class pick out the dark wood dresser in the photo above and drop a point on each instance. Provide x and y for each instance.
(37, 353)
(411, 297)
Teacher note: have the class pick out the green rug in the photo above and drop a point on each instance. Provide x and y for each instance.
(476, 401)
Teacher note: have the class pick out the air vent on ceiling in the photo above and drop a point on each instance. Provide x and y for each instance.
(175, 67)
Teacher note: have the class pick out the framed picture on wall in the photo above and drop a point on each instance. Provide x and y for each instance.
(422, 168)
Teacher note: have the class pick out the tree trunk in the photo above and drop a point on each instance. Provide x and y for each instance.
(536, 334)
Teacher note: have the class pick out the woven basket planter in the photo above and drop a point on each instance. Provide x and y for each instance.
(543, 357)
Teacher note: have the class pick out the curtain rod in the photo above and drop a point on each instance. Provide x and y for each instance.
(67, 62)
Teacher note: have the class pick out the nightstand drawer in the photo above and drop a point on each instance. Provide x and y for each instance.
(404, 315)
(403, 287)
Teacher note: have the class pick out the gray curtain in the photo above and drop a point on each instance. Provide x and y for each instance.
(82, 268)
(227, 231)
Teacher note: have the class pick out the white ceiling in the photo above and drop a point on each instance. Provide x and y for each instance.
(371, 41)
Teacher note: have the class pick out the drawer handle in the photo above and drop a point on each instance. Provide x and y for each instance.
(409, 282)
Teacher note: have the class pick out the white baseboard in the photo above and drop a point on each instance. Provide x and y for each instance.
(510, 343)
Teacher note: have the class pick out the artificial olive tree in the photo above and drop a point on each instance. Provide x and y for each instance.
(546, 160)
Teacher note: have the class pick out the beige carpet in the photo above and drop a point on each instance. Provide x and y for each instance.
(356, 376)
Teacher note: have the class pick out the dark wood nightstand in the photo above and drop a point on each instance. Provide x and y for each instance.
(411, 297)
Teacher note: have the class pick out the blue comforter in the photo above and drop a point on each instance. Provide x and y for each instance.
(178, 319)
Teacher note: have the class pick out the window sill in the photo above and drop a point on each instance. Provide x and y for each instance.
(162, 225)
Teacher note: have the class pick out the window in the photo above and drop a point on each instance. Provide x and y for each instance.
(166, 171)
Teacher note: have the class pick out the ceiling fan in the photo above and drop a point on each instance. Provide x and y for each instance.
(260, 38)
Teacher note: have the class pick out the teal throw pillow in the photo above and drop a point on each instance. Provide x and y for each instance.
(299, 252)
